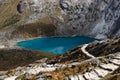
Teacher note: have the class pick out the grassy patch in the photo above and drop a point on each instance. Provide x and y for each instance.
(8, 10)
(12, 20)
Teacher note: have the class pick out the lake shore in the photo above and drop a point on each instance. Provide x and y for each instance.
(19, 55)
(12, 56)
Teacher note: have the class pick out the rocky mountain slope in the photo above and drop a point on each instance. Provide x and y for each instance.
(93, 18)
(23, 19)
(12, 58)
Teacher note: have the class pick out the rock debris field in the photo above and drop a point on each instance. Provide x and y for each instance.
(87, 67)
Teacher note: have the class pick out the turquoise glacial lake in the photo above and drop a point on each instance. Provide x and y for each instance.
(55, 45)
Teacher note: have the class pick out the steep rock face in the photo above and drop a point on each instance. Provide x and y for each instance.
(38, 8)
(95, 18)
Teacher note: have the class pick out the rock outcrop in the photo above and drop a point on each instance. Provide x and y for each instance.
(95, 18)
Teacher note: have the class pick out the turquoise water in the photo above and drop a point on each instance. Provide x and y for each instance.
(56, 45)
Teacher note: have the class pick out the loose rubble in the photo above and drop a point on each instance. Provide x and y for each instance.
(96, 68)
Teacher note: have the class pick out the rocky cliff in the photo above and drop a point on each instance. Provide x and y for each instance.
(94, 18)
